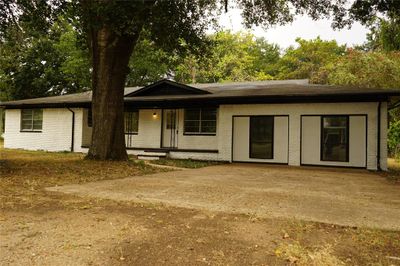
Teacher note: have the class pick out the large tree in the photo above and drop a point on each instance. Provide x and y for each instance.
(113, 28)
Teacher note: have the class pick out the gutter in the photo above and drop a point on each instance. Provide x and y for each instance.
(73, 129)
(378, 157)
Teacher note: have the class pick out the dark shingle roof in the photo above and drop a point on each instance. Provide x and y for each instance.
(283, 90)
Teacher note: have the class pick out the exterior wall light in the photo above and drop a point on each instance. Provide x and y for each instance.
(154, 115)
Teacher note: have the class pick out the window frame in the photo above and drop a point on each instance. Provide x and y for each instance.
(89, 117)
(131, 111)
(272, 138)
(32, 120)
(347, 159)
(200, 133)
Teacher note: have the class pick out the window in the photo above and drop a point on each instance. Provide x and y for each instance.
(131, 122)
(31, 119)
(200, 121)
(89, 118)
(335, 138)
(262, 137)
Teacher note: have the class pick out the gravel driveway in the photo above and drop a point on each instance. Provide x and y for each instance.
(337, 196)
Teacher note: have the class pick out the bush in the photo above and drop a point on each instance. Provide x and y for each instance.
(394, 138)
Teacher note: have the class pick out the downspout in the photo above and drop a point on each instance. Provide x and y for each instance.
(379, 138)
(73, 129)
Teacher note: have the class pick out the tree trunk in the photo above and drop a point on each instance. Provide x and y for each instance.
(110, 58)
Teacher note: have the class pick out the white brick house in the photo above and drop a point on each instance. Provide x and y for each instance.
(285, 122)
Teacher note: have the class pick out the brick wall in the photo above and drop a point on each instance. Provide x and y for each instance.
(56, 133)
(295, 111)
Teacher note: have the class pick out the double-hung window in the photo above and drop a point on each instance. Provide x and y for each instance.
(200, 121)
(131, 122)
(335, 138)
(31, 120)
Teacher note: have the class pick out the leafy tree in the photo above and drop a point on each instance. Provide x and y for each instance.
(305, 60)
(232, 57)
(394, 138)
(364, 69)
(33, 65)
(149, 63)
(113, 28)
(384, 35)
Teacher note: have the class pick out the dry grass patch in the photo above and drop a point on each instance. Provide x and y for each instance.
(299, 255)
(394, 170)
(23, 174)
(43, 228)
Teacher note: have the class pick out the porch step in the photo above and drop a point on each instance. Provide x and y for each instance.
(149, 155)
(148, 158)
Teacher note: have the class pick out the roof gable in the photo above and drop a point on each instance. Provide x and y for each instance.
(167, 87)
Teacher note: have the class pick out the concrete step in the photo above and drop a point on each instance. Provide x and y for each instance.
(146, 153)
(149, 158)
(151, 155)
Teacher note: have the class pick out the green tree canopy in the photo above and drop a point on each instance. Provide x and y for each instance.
(35, 65)
(364, 69)
(310, 55)
(232, 57)
(384, 35)
(149, 63)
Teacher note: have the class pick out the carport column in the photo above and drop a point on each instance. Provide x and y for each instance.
(294, 139)
(383, 140)
(78, 129)
(224, 132)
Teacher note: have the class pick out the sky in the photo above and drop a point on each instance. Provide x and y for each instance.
(302, 26)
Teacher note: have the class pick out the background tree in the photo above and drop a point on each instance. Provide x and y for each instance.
(149, 63)
(384, 35)
(365, 69)
(305, 60)
(38, 65)
(232, 57)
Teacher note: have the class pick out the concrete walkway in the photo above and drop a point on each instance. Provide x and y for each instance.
(338, 196)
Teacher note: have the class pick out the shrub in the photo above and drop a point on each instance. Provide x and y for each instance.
(394, 138)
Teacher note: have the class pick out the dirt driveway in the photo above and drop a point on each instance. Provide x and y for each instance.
(337, 196)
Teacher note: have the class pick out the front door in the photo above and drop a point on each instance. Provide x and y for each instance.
(170, 128)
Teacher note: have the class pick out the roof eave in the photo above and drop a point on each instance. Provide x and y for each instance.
(218, 99)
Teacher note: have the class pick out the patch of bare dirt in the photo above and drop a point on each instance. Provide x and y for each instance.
(342, 197)
(45, 228)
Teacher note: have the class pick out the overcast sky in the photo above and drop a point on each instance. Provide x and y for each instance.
(303, 27)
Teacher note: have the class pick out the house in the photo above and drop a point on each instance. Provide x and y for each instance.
(283, 122)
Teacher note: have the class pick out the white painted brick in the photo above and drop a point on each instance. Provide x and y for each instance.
(56, 133)
(294, 111)
(55, 136)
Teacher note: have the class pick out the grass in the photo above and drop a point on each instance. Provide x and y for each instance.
(394, 170)
(31, 209)
(188, 163)
(295, 253)
(25, 173)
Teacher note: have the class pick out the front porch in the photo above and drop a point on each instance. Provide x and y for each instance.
(154, 133)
